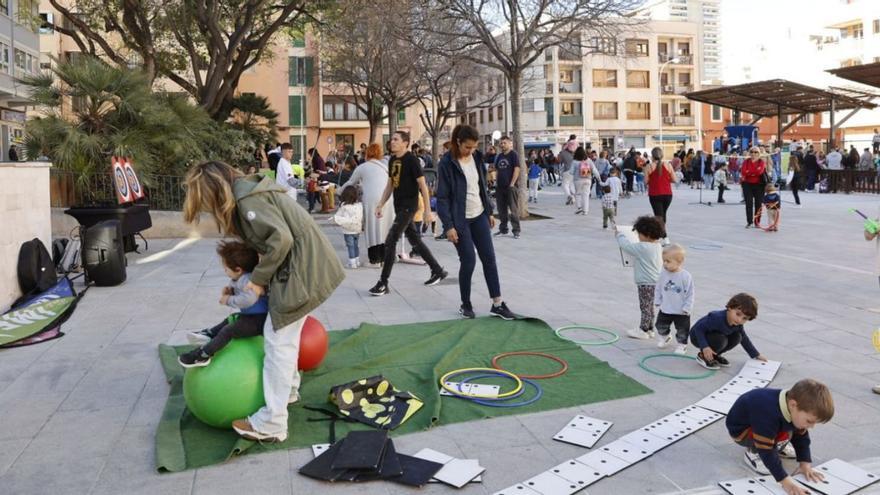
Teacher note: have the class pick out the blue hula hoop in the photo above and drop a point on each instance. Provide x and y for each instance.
(499, 402)
(487, 375)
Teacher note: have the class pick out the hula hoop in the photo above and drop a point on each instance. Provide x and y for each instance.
(488, 375)
(614, 337)
(539, 392)
(445, 378)
(670, 375)
(769, 227)
(560, 372)
(706, 246)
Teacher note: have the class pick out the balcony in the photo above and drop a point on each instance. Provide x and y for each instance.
(570, 55)
(668, 89)
(680, 90)
(573, 87)
(571, 120)
(683, 121)
(683, 59)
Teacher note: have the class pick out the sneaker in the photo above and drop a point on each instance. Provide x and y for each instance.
(605, 226)
(380, 289)
(436, 277)
(441, 237)
(722, 361)
(200, 337)
(664, 340)
(500, 233)
(243, 427)
(710, 365)
(753, 461)
(294, 397)
(351, 265)
(681, 349)
(786, 451)
(876, 389)
(640, 334)
(194, 359)
(748, 225)
(516, 235)
(502, 311)
(413, 254)
(578, 211)
(467, 312)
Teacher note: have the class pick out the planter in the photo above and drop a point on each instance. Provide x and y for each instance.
(134, 219)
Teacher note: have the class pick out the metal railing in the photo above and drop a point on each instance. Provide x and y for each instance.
(847, 181)
(165, 192)
(571, 120)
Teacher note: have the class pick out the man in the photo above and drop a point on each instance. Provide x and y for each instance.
(284, 171)
(507, 172)
(566, 156)
(491, 154)
(13, 154)
(273, 156)
(866, 162)
(834, 160)
(875, 141)
(406, 181)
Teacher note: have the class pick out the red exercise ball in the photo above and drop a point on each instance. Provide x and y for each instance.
(313, 344)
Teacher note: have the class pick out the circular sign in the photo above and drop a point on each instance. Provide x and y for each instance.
(121, 183)
(132, 180)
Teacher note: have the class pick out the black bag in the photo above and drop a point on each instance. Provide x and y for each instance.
(36, 271)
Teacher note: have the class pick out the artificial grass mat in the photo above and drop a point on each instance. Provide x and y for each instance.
(413, 357)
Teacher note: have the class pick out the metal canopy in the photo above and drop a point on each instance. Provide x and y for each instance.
(777, 97)
(868, 74)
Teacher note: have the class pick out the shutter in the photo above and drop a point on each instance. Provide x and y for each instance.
(401, 116)
(310, 71)
(295, 106)
(291, 71)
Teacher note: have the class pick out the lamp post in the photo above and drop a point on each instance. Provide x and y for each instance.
(674, 60)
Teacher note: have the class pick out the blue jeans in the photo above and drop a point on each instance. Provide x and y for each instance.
(351, 243)
(477, 236)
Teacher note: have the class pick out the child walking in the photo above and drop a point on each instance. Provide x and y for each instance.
(674, 295)
(609, 207)
(534, 181)
(772, 203)
(616, 185)
(721, 331)
(721, 180)
(648, 261)
(238, 262)
(350, 216)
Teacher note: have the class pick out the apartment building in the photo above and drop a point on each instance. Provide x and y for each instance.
(19, 57)
(706, 14)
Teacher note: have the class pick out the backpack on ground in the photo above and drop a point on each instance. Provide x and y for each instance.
(36, 271)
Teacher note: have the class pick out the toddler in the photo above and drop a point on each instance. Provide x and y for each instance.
(648, 261)
(534, 181)
(721, 331)
(615, 184)
(674, 295)
(350, 216)
(238, 262)
(772, 204)
(721, 180)
(608, 207)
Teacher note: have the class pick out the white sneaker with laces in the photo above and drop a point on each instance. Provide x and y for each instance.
(754, 462)
(681, 349)
(640, 334)
(664, 340)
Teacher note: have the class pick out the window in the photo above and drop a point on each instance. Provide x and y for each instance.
(401, 116)
(566, 76)
(491, 115)
(637, 48)
(716, 113)
(570, 108)
(46, 19)
(806, 120)
(482, 115)
(638, 79)
(297, 143)
(604, 110)
(499, 112)
(684, 48)
(786, 119)
(684, 109)
(605, 45)
(638, 110)
(4, 57)
(337, 108)
(604, 78)
(296, 106)
(298, 41)
(301, 71)
(532, 105)
(472, 119)
(663, 48)
(4, 7)
(684, 78)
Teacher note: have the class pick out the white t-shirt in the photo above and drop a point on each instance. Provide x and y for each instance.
(473, 203)
(283, 173)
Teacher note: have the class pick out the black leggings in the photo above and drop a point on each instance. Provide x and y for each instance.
(660, 204)
(630, 176)
(249, 325)
(719, 342)
(403, 225)
(795, 187)
(754, 195)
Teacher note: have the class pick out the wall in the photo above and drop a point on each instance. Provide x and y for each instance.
(24, 214)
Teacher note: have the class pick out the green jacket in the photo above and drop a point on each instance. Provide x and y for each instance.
(297, 262)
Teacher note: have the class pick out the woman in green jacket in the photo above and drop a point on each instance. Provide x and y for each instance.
(297, 265)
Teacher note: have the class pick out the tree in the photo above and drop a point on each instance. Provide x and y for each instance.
(203, 46)
(510, 35)
(253, 115)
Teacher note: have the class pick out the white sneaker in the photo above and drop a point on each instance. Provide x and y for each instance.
(351, 264)
(681, 349)
(294, 397)
(640, 334)
(664, 340)
(786, 451)
(754, 462)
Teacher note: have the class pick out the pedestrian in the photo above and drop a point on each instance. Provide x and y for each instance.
(506, 192)
(406, 181)
(772, 203)
(534, 180)
(566, 157)
(753, 184)
(875, 141)
(794, 171)
(609, 208)
(721, 181)
(629, 172)
(284, 176)
(13, 153)
(616, 185)
(582, 170)
(866, 161)
(372, 177)
(466, 214)
(660, 178)
(298, 268)
(674, 298)
(350, 216)
(647, 253)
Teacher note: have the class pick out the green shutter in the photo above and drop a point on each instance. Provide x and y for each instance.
(310, 71)
(297, 104)
(298, 42)
(401, 116)
(291, 71)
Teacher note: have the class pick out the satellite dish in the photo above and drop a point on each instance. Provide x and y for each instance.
(496, 135)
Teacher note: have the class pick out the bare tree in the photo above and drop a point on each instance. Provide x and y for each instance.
(510, 35)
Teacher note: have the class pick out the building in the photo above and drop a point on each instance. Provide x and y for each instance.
(19, 57)
(706, 14)
(628, 94)
(809, 129)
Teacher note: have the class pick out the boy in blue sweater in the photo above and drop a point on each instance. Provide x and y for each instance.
(763, 418)
(721, 331)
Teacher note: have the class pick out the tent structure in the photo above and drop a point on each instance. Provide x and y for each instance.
(867, 74)
(779, 97)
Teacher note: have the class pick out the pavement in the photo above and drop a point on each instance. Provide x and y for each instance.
(79, 413)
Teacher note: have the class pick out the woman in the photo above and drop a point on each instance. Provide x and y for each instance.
(697, 169)
(297, 263)
(466, 214)
(372, 176)
(660, 175)
(583, 171)
(794, 168)
(752, 179)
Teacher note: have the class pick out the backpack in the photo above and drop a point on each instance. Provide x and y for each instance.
(36, 271)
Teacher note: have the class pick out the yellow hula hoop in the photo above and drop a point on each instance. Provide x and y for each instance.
(453, 391)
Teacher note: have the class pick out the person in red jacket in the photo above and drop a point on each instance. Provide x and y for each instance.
(752, 181)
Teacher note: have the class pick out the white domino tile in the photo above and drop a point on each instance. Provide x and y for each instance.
(603, 462)
(319, 448)
(481, 389)
(548, 483)
(841, 478)
(583, 431)
(646, 441)
(518, 489)
(716, 404)
(578, 473)
(745, 486)
(626, 451)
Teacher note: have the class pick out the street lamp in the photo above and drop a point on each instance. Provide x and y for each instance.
(674, 60)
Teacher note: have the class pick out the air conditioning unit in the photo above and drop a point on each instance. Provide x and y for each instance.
(668, 120)
(667, 89)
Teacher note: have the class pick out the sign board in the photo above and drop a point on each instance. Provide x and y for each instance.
(134, 185)
(128, 187)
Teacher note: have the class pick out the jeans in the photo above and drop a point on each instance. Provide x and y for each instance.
(707, 181)
(582, 194)
(812, 176)
(721, 189)
(719, 342)
(567, 186)
(351, 243)
(629, 177)
(477, 236)
(403, 225)
(660, 204)
(682, 326)
(249, 325)
(506, 200)
(754, 195)
(533, 189)
(280, 376)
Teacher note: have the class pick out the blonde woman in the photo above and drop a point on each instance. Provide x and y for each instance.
(297, 265)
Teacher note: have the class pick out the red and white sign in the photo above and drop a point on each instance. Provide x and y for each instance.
(123, 191)
(134, 185)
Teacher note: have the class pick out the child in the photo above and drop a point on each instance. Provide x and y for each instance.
(238, 262)
(350, 216)
(616, 186)
(534, 181)
(674, 295)
(721, 331)
(772, 204)
(608, 207)
(721, 180)
(647, 255)
(761, 419)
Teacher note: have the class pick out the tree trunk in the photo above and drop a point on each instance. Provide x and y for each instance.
(515, 82)
(392, 117)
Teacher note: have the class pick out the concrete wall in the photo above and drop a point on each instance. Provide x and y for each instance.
(166, 225)
(24, 214)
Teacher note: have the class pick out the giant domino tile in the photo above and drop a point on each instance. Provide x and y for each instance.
(576, 474)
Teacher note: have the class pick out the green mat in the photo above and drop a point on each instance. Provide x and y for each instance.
(413, 357)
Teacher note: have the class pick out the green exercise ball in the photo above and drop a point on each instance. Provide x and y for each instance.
(229, 388)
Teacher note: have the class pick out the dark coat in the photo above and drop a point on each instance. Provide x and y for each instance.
(452, 191)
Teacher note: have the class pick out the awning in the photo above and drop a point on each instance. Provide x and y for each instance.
(671, 137)
(868, 74)
(768, 98)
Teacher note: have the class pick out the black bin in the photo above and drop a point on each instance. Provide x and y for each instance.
(103, 253)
